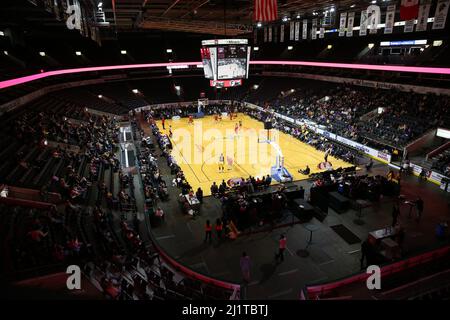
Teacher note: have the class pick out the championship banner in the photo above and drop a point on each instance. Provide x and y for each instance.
(440, 15)
(374, 16)
(363, 23)
(265, 34)
(282, 33)
(291, 30)
(314, 29)
(390, 17)
(275, 34)
(424, 13)
(342, 23)
(305, 29)
(351, 21)
(297, 30)
(270, 34)
(409, 26)
(321, 32)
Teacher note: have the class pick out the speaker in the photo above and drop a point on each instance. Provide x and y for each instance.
(268, 125)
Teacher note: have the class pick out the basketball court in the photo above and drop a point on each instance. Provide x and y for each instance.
(247, 150)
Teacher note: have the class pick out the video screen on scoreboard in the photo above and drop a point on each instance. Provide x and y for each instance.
(232, 62)
(207, 64)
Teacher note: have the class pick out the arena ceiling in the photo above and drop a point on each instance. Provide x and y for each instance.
(219, 17)
(210, 16)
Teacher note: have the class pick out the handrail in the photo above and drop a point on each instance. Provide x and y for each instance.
(321, 289)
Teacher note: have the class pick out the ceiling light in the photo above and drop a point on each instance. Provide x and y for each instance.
(298, 16)
(135, 90)
(100, 4)
(255, 86)
(371, 45)
(123, 51)
(78, 53)
(329, 46)
(437, 43)
(259, 24)
(5, 52)
(374, 1)
(2, 33)
(178, 88)
(100, 96)
(332, 10)
(42, 54)
(352, 6)
(290, 47)
(169, 50)
(285, 19)
(255, 48)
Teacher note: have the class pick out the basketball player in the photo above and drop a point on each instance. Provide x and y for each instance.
(230, 162)
(216, 118)
(221, 163)
(163, 122)
(327, 153)
(236, 129)
(191, 120)
(240, 123)
(231, 115)
(170, 131)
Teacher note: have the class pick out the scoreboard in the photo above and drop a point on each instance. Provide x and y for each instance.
(225, 59)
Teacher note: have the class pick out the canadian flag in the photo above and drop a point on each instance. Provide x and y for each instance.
(409, 9)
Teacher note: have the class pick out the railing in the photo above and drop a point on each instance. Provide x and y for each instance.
(317, 291)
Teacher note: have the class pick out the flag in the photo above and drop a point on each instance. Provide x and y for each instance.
(409, 9)
(265, 10)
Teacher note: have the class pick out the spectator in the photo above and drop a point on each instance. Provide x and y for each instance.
(281, 248)
(208, 231)
(245, 264)
(199, 194)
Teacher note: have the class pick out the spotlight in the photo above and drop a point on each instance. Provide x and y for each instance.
(285, 19)
(329, 46)
(42, 54)
(352, 6)
(255, 86)
(135, 90)
(100, 96)
(298, 16)
(374, 1)
(5, 52)
(259, 24)
(255, 48)
(123, 51)
(290, 47)
(2, 33)
(169, 50)
(78, 53)
(371, 45)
